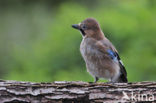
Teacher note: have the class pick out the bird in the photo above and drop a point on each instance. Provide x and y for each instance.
(100, 55)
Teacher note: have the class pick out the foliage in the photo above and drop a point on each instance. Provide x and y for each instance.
(42, 46)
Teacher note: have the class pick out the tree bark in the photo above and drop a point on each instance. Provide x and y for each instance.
(76, 92)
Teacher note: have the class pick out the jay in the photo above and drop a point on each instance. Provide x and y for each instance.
(101, 58)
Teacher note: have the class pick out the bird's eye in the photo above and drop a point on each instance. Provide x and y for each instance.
(84, 27)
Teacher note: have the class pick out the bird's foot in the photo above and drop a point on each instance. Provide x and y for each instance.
(96, 79)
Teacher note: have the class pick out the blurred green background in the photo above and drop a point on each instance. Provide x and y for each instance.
(38, 44)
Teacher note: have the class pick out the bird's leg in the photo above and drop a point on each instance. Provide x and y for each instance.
(111, 81)
(96, 79)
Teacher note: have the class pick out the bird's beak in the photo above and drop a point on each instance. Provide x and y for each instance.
(76, 26)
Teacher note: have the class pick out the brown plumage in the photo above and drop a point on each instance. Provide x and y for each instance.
(101, 57)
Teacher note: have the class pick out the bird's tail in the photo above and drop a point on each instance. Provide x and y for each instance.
(123, 76)
(122, 79)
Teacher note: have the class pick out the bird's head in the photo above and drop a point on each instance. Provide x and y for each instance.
(89, 28)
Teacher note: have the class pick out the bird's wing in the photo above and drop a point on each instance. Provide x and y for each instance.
(109, 50)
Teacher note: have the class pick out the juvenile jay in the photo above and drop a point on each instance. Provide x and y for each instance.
(101, 58)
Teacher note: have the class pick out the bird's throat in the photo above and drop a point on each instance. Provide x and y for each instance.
(82, 32)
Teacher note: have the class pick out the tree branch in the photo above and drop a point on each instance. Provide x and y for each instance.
(76, 92)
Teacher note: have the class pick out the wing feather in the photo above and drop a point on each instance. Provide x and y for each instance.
(108, 49)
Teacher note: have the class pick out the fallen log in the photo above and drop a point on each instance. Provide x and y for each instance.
(76, 92)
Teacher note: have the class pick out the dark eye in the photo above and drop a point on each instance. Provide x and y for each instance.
(84, 27)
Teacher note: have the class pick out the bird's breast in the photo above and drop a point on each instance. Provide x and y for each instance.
(89, 50)
(97, 64)
(86, 49)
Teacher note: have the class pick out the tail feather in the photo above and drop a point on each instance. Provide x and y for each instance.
(122, 79)
(123, 75)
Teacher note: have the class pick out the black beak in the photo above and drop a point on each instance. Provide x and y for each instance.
(76, 26)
